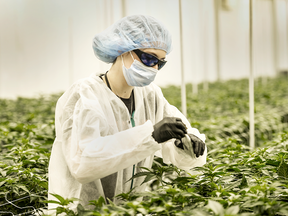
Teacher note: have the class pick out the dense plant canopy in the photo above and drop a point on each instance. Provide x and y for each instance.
(235, 181)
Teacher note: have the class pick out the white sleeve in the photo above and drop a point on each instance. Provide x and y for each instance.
(91, 156)
(172, 154)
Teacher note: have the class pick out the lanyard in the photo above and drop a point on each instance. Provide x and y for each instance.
(129, 103)
(133, 125)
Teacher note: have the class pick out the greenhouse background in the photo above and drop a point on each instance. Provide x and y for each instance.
(45, 46)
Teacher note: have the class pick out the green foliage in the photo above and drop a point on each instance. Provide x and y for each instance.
(26, 136)
(63, 205)
(283, 170)
(223, 111)
(235, 181)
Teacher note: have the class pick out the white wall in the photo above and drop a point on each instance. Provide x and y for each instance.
(46, 45)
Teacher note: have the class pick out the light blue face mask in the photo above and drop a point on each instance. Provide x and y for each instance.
(138, 74)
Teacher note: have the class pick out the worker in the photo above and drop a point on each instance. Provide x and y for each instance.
(109, 126)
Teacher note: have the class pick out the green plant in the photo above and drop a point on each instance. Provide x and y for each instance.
(235, 181)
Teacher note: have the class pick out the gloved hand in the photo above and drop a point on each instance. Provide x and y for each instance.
(197, 144)
(168, 128)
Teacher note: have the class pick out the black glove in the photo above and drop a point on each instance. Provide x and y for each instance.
(168, 128)
(198, 145)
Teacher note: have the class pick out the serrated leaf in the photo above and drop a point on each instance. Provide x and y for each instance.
(60, 210)
(234, 184)
(157, 163)
(272, 162)
(265, 172)
(216, 207)
(2, 183)
(182, 180)
(283, 170)
(98, 203)
(3, 172)
(282, 212)
(32, 198)
(231, 169)
(159, 209)
(44, 184)
(16, 190)
(139, 175)
(253, 204)
(142, 210)
(220, 166)
(23, 187)
(244, 182)
(218, 173)
(233, 210)
(60, 198)
(145, 168)
(51, 201)
(148, 178)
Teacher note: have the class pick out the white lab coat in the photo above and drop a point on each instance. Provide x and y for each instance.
(96, 146)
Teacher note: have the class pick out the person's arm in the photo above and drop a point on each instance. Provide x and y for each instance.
(90, 154)
(182, 158)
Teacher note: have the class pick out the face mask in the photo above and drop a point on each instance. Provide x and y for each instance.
(138, 74)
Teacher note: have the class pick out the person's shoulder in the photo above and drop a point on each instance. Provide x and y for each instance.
(90, 83)
(91, 80)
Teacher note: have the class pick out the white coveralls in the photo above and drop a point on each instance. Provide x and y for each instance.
(96, 146)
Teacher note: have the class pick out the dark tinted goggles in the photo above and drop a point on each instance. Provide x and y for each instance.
(149, 60)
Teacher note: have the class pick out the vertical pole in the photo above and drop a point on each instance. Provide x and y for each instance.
(195, 83)
(287, 31)
(275, 44)
(204, 46)
(194, 88)
(1, 84)
(217, 38)
(123, 8)
(70, 49)
(183, 87)
(0, 65)
(251, 79)
(106, 13)
(111, 12)
(263, 45)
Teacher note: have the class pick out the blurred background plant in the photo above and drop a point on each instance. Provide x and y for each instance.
(235, 180)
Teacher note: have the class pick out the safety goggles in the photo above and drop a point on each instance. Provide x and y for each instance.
(149, 60)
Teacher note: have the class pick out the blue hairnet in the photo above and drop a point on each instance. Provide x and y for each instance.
(129, 33)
